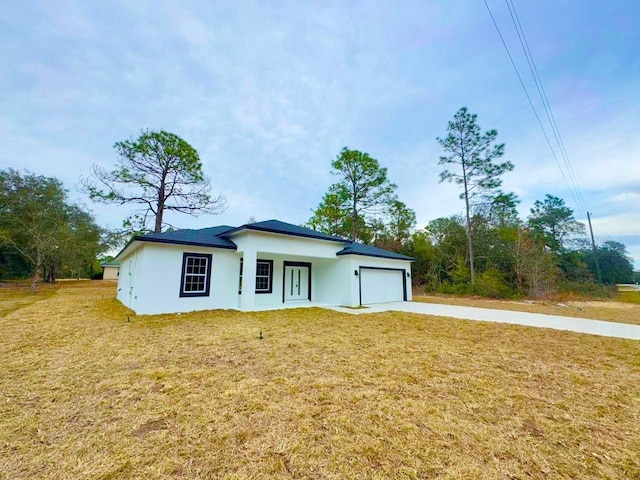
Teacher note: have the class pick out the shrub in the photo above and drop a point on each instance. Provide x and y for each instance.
(586, 289)
(491, 283)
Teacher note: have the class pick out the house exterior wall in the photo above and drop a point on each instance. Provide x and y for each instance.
(356, 262)
(126, 279)
(329, 284)
(149, 281)
(281, 248)
(286, 245)
(334, 282)
(150, 277)
(275, 297)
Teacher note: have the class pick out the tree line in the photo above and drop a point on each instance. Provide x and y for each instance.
(489, 250)
(42, 233)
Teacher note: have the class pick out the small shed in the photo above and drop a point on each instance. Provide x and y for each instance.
(110, 270)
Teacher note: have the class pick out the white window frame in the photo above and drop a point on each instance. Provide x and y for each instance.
(269, 276)
(186, 257)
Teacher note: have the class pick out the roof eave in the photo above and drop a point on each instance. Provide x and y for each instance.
(184, 242)
(140, 239)
(406, 259)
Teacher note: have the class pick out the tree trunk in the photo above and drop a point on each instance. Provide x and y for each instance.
(354, 216)
(158, 225)
(36, 271)
(469, 226)
(160, 210)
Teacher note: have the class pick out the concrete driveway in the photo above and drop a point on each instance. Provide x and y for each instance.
(571, 324)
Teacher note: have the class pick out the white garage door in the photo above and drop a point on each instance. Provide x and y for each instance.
(379, 286)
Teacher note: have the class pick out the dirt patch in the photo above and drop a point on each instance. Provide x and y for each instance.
(603, 304)
(150, 426)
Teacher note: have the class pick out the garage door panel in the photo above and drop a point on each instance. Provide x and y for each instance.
(379, 286)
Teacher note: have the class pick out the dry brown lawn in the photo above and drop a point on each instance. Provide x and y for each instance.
(611, 311)
(16, 295)
(84, 394)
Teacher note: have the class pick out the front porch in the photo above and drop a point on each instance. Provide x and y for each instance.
(277, 281)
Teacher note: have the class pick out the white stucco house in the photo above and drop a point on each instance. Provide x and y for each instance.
(259, 266)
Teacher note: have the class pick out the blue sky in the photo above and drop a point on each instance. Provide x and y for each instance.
(269, 92)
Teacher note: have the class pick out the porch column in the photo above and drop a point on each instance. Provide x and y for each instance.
(248, 295)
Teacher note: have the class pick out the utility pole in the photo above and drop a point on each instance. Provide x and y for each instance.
(595, 249)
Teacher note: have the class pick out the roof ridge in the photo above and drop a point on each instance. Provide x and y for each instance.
(285, 228)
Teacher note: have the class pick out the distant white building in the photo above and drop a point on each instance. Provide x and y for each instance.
(110, 270)
(258, 266)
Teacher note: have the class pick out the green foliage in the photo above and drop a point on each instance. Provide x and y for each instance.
(425, 268)
(449, 288)
(332, 216)
(573, 264)
(552, 222)
(159, 172)
(512, 259)
(395, 234)
(460, 276)
(615, 265)
(38, 223)
(499, 209)
(13, 265)
(580, 265)
(472, 155)
(458, 280)
(535, 268)
(491, 283)
(362, 204)
(586, 289)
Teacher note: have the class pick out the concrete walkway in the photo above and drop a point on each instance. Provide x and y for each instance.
(580, 325)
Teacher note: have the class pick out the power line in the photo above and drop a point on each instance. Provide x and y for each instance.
(544, 99)
(535, 112)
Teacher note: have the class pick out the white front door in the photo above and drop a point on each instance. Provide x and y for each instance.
(296, 283)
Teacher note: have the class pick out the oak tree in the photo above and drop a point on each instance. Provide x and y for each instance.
(38, 222)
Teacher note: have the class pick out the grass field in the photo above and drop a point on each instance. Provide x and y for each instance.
(16, 296)
(625, 310)
(84, 394)
(632, 296)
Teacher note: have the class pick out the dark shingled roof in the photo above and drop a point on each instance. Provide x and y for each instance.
(218, 237)
(276, 226)
(204, 237)
(369, 251)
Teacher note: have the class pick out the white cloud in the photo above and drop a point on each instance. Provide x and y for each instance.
(626, 223)
(269, 95)
(627, 197)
